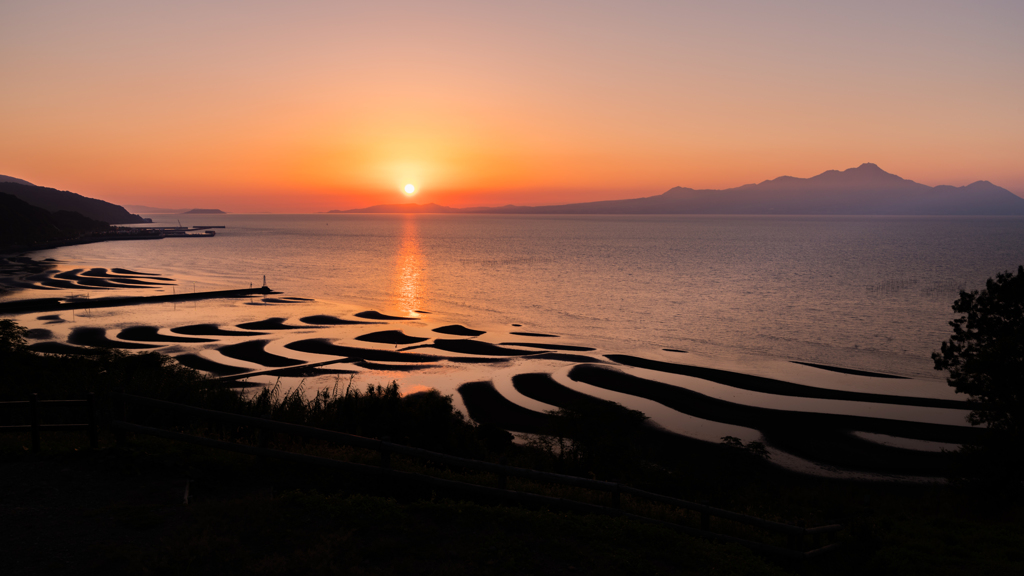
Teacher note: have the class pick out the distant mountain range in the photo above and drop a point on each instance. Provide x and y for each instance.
(55, 200)
(865, 190)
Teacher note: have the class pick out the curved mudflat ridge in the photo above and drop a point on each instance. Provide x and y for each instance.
(212, 330)
(97, 338)
(477, 360)
(391, 367)
(390, 337)
(327, 348)
(561, 347)
(95, 279)
(61, 348)
(486, 405)
(325, 320)
(374, 315)
(59, 284)
(458, 330)
(779, 387)
(830, 445)
(308, 372)
(151, 334)
(197, 362)
(476, 347)
(252, 351)
(39, 334)
(268, 324)
(542, 388)
(849, 370)
(703, 406)
(563, 357)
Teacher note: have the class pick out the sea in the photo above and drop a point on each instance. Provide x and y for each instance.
(865, 292)
(750, 294)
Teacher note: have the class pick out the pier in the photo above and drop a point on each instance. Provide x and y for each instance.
(59, 304)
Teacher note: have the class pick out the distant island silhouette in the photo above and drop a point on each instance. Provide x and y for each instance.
(865, 190)
(205, 211)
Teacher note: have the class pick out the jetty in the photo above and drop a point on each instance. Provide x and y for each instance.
(60, 304)
(178, 231)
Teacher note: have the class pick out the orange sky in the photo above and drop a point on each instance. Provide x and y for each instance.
(309, 106)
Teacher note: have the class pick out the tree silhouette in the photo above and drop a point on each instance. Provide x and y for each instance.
(985, 360)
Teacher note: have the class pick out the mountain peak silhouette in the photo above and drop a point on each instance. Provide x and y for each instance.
(867, 166)
(864, 190)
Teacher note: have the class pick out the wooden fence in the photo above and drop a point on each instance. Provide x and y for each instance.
(797, 535)
(38, 407)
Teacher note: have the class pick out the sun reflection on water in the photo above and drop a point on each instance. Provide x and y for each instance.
(410, 270)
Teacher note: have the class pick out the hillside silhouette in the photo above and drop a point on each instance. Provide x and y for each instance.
(55, 200)
(865, 190)
(22, 224)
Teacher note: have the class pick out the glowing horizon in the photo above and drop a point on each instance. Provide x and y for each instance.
(323, 106)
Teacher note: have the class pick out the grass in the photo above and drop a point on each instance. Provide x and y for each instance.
(119, 510)
(316, 534)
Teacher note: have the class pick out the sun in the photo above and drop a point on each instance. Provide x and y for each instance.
(410, 189)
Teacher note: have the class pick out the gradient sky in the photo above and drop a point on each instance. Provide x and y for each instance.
(308, 106)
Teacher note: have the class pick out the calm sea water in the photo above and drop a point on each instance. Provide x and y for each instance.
(871, 293)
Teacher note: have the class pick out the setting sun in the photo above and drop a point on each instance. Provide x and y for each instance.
(410, 189)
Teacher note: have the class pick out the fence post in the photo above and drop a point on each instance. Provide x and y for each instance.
(33, 403)
(94, 439)
(796, 539)
(120, 436)
(264, 441)
(617, 496)
(385, 455)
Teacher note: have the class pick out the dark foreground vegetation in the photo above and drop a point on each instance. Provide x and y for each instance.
(122, 509)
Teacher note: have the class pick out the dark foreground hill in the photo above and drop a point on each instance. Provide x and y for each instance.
(55, 200)
(865, 190)
(24, 225)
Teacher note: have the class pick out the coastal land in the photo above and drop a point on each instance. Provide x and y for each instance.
(829, 445)
(37, 218)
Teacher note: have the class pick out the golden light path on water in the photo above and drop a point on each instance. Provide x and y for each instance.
(410, 270)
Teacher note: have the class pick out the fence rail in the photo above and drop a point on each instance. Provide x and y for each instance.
(35, 406)
(796, 534)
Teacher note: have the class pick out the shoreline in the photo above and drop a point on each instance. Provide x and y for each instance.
(32, 305)
(243, 347)
(22, 250)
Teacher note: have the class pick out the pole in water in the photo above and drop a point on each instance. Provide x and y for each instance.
(264, 280)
